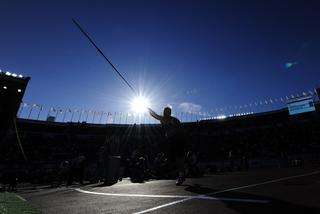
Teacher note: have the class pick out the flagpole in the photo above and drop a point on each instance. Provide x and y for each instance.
(39, 112)
(64, 115)
(126, 122)
(94, 114)
(30, 112)
(87, 115)
(49, 112)
(60, 112)
(80, 115)
(101, 117)
(120, 117)
(57, 114)
(72, 115)
(107, 117)
(20, 112)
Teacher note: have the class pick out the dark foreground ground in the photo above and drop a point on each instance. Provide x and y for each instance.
(290, 190)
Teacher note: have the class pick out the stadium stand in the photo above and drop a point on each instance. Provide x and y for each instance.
(270, 139)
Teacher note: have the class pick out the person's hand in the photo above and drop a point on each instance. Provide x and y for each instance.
(153, 114)
(150, 110)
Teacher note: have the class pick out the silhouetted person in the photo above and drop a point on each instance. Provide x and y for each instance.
(231, 160)
(10, 177)
(102, 162)
(160, 165)
(176, 140)
(139, 170)
(77, 169)
(63, 172)
(192, 168)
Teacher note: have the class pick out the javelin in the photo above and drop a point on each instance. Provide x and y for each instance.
(98, 49)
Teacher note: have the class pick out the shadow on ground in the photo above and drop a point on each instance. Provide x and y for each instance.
(273, 206)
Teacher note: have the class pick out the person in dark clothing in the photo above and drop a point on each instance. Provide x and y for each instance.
(77, 169)
(102, 162)
(13, 182)
(176, 140)
(192, 168)
(231, 160)
(63, 172)
(160, 165)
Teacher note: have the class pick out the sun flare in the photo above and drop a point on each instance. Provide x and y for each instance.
(140, 104)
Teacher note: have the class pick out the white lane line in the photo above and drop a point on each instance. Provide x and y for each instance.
(173, 196)
(22, 199)
(133, 195)
(234, 199)
(163, 205)
(227, 190)
(266, 182)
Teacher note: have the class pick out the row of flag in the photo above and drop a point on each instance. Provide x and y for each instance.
(83, 115)
(270, 101)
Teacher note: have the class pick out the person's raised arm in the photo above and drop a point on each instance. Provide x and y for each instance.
(154, 115)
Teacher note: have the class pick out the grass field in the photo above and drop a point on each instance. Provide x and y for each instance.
(10, 203)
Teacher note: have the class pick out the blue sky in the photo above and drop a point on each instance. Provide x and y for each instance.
(196, 54)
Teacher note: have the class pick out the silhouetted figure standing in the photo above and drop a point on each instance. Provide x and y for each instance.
(102, 162)
(13, 181)
(160, 165)
(63, 172)
(231, 160)
(77, 169)
(176, 140)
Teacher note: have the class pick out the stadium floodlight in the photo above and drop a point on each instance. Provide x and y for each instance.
(20, 76)
(221, 117)
(5, 87)
(19, 90)
(8, 73)
(14, 75)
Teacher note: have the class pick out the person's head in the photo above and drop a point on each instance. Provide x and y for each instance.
(167, 112)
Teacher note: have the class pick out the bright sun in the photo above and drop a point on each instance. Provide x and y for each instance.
(140, 104)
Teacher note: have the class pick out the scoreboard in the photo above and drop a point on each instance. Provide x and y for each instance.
(301, 105)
